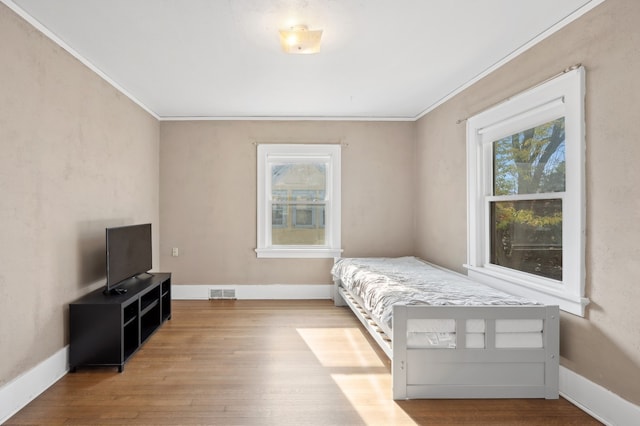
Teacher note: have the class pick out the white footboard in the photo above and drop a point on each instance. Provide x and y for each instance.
(480, 350)
(485, 372)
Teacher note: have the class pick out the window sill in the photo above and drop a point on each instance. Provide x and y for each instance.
(298, 253)
(551, 296)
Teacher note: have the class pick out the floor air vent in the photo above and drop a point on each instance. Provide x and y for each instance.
(222, 293)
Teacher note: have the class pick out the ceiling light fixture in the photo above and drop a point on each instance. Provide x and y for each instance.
(298, 39)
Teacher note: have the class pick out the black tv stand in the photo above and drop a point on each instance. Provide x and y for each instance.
(106, 329)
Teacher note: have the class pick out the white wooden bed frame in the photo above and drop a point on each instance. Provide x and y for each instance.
(461, 372)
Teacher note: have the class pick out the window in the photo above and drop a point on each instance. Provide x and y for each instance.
(298, 200)
(307, 216)
(278, 212)
(526, 205)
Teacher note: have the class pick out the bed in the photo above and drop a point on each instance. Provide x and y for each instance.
(450, 337)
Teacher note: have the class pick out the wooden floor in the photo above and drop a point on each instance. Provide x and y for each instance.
(265, 363)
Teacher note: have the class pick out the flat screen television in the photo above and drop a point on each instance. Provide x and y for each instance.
(128, 254)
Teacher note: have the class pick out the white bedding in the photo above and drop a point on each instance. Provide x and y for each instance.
(476, 325)
(423, 339)
(441, 333)
(383, 282)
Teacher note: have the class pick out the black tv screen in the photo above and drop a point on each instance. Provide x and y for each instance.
(128, 253)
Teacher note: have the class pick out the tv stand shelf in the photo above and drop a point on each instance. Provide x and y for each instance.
(107, 329)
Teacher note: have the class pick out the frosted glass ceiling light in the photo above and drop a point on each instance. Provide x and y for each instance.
(299, 39)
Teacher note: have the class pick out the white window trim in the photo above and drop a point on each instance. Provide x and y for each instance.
(562, 96)
(268, 152)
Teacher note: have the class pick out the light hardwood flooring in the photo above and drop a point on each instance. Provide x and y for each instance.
(265, 363)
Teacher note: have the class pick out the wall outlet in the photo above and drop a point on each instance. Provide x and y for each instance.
(174, 252)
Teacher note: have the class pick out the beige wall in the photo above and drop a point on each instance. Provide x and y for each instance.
(77, 156)
(604, 346)
(208, 197)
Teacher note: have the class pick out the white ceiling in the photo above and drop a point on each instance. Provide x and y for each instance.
(380, 59)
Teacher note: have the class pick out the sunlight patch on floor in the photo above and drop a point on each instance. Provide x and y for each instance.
(370, 395)
(340, 347)
(368, 388)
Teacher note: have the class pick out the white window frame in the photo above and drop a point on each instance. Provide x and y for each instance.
(331, 155)
(562, 96)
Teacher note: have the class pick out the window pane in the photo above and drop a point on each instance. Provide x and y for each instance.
(279, 216)
(292, 186)
(298, 181)
(279, 195)
(527, 236)
(307, 195)
(306, 226)
(531, 161)
(303, 216)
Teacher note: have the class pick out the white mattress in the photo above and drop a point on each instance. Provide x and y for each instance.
(383, 282)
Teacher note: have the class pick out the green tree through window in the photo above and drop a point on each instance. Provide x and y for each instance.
(527, 231)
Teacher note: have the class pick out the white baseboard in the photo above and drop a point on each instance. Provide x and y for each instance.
(25, 388)
(597, 401)
(255, 291)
